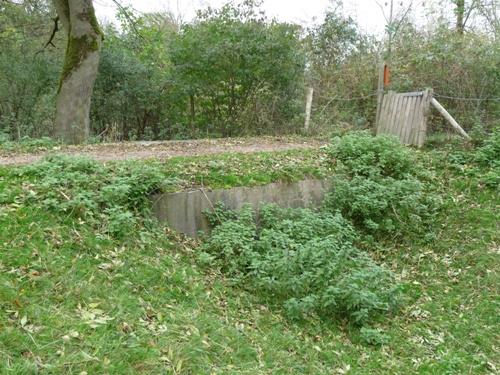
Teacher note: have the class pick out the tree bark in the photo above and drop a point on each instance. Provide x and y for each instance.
(460, 12)
(72, 123)
(192, 114)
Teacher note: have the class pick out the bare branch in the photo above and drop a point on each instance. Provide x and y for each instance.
(383, 11)
(474, 5)
(54, 31)
(403, 17)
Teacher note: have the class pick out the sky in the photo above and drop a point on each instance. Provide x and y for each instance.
(306, 12)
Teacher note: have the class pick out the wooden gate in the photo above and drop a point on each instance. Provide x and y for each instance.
(405, 116)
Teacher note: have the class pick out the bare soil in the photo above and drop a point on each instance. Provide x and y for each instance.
(161, 150)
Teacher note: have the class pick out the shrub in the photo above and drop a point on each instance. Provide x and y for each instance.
(361, 154)
(306, 260)
(384, 204)
(488, 154)
(373, 336)
(378, 184)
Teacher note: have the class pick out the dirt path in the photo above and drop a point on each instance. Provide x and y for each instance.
(165, 149)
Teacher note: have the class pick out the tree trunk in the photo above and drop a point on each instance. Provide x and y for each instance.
(72, 123)
(460, 12)
(192, 114)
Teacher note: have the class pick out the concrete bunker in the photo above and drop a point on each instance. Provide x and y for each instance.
(183, 211)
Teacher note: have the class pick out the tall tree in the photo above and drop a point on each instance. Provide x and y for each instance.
(72, 123)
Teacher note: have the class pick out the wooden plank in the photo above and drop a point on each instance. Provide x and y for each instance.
(419, 119)
(387, 114)
(407, 119)
(418, 125)
(449, 118)
(394, 114)
(388, 111)
(381, 114)
(415, 93)
(404, 120)
(413, 121)
(399, 121)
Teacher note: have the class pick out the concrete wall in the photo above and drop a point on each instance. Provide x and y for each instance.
(183, 211)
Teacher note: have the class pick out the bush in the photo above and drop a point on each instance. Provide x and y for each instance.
(387, 205)
(378, 184)
(306, 260)
(361, 154)
(488, 155)
(239, 72)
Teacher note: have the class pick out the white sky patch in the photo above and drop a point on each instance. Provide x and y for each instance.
(306, 12)
(367, 13)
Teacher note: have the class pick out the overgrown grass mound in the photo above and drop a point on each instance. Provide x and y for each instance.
(304, 259)
(113, 199)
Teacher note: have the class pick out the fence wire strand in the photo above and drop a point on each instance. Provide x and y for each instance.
(348, 99)
(435, 95)
(466, 99)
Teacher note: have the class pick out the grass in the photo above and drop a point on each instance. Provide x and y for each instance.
(73, 299)
(47, 146)
(230, 170)
(27, 145)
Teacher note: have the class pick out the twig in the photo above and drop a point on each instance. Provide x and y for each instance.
(396, 29)
(54, 31)
(128, 17)
(383, 11)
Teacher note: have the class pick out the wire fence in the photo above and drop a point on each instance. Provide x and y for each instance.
(348, 99)
(375, 93)
(326, 102)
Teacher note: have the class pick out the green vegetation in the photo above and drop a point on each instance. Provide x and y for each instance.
(305, 260)
(235, 71)
(230, 170)
(88, 282)
(259, 64)
(380, 185)
(31, 145)
(396, 273)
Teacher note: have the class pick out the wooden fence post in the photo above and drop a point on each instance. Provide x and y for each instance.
(380, 93)
(310, 94)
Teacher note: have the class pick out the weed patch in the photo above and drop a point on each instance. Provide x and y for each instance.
(306, 260)
(380, 185)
